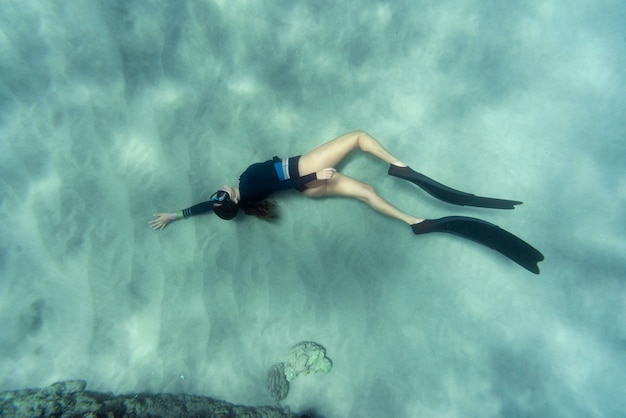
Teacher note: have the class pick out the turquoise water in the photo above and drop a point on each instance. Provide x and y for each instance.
(112, 111)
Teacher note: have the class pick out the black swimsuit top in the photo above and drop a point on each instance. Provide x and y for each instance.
(260, 180)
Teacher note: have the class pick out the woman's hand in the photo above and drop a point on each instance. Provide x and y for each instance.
(325, 174)
(161, 222)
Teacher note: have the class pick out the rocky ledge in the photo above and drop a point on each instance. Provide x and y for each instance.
(70, 399)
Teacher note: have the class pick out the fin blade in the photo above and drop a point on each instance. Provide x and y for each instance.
(486, 234)
(448, 194)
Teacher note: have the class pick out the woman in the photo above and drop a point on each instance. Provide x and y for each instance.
(314, 175)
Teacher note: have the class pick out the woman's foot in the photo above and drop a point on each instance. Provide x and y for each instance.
(414, 221)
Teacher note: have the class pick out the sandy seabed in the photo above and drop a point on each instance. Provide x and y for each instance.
(113, 111)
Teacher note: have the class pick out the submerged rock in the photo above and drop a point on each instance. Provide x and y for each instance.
(277, 383)
(305, 358)
(70, 399)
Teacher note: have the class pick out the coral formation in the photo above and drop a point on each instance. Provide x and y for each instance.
(304, 358)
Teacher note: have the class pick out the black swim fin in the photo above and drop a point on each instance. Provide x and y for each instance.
(487, 234)
(448, 194)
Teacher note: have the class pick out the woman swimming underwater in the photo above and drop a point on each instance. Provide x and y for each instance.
(314, 175)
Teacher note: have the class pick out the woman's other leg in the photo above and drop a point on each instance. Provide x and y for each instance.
(342, 185)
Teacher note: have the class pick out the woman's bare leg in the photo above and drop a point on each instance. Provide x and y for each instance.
(331, 153)
(342, 185)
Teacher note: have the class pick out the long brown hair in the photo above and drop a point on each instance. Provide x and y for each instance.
(265, 209)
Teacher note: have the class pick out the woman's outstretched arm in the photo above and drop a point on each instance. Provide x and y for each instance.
(164, 218)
